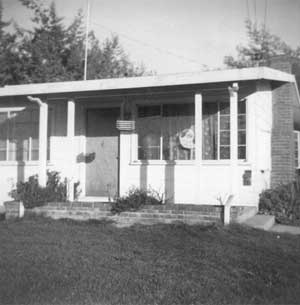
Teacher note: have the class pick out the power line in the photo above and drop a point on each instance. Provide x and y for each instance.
(148, 45)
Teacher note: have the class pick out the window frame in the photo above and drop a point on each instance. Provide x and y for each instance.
(206, 162)
(135, 141)
(9, 111)
(218, 159)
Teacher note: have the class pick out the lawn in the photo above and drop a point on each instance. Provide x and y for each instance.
(44, 261)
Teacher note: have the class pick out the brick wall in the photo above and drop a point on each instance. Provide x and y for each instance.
(175, 213)
(283, 159)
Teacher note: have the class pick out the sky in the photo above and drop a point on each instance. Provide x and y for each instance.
(173, 36)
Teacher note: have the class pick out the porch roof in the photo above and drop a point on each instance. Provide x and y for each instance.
(167, 80)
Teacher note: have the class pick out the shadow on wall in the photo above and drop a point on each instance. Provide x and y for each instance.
(169, 187)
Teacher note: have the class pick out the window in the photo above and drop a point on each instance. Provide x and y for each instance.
(216, 130)
(296, 141)
(166, 132)
(19, 132)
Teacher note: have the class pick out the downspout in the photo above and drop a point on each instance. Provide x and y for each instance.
(43, 127)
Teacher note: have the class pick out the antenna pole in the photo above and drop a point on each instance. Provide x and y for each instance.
(86, 38)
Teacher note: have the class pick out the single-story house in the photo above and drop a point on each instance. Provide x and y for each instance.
(197, 138)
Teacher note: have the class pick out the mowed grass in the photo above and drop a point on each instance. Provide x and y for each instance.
(44, 261)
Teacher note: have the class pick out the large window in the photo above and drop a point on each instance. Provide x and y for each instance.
(216, 130)
(166, 132)
(19, 132)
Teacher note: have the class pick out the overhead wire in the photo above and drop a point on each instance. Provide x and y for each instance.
(146, 44)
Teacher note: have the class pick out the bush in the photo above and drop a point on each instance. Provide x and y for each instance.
(283, 202)
(136, 199)
(33, 195)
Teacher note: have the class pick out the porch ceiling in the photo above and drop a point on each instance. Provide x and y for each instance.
(117, 84)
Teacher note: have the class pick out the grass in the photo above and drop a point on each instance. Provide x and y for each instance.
(44, 261)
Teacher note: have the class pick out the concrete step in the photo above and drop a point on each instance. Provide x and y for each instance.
(263, 222)
(285, 229)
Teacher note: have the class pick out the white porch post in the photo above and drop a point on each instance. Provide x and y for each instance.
(71, 148)
(43, 129)
(198, 146)
(233, 148)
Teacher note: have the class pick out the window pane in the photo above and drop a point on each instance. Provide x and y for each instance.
(2, 155)
(2, 144)
(242, 107)
(148, 129)
(210, 131)
(22, 127)
(242, 137)
(34, 154)
(3, 118)
(225, 137)
(296, 143)
(225, 122)
(224, 152)
(3, 135)
(242, 152)
(178, 138)
(241, 122)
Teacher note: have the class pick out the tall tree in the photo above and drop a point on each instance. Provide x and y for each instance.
(261, 46)
(52, 51)
(9, 59)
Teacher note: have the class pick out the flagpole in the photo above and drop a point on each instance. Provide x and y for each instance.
(86, 38)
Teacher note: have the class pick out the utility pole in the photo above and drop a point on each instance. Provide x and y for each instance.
(86, 38)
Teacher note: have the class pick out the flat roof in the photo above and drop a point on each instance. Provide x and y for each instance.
(194, 78)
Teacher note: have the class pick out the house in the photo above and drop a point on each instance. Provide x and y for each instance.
(197, 138)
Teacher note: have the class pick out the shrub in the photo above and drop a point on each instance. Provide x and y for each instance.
(283, 202)
(33, 195)
(136, 199)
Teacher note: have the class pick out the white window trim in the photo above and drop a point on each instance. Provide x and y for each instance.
(29, 162)
(210, 162)
(218, 160)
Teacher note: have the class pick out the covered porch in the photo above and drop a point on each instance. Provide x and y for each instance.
(202, 138)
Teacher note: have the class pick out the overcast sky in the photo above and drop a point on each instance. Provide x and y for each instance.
(177, 35)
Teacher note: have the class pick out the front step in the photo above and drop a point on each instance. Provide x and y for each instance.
(263, 222)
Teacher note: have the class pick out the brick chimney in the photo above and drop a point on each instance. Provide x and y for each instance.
(284, 102)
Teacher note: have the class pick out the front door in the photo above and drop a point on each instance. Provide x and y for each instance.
(102, 151)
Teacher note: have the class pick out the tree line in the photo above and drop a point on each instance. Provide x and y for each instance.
(51, 51)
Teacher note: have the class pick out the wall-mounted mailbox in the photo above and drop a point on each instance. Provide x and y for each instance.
(247, 177)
